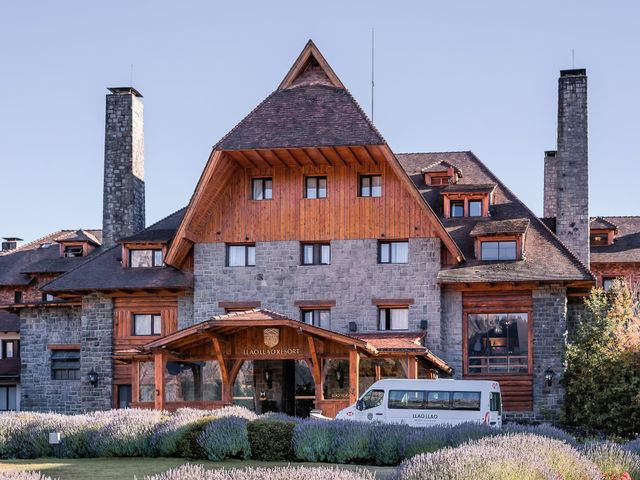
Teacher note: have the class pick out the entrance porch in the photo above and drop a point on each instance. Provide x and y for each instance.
(267, 362)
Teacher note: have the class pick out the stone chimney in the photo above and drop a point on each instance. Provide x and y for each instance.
(550, 184)
(10, 243)
(569, 169)
(123, 207)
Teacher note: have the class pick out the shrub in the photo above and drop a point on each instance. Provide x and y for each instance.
(187, 445)
(127, 433)
(612, 460)
(351, 442)
(197, 472)
(386, 443)
(633, 446)
(312, 440)
(607, 340)
(502, 457)
(544, 429)
(431, 439)
(168, 435)
(225, 437)
(271, 440)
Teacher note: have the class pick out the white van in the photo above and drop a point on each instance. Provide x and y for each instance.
(422, 403)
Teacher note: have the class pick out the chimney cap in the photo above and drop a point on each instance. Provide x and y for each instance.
(124, 91)
(12, 239)
(574, 72)
(550, 153)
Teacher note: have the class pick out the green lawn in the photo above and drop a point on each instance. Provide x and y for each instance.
(127, 468)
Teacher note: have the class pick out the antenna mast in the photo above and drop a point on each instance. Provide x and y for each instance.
(131, 77)
(372, 70)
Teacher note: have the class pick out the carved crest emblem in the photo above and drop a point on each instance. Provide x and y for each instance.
(271, 337)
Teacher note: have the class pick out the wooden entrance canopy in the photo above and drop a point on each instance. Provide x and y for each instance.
(260, 334)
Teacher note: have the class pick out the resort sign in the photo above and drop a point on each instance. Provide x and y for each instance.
(271, 339)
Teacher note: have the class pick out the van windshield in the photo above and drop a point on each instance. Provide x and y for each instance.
(373, 398)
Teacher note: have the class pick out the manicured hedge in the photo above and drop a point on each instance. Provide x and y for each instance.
(271, 439)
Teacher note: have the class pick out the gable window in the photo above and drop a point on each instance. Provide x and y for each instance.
(370, 185)
(498, 343)
(393, 318)
(65, 364)
(147, 324)
(475, 208)
(146, 258)
(47, 297)
(393, 252)
(457, 208)
(317, 317)
(241, 255)
(315, 187)
(73, 250)
(261, 189)
(17, 297)
(316, 254)
(498, 250)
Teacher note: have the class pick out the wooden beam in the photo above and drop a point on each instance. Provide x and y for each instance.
(159, 367)
(412, 367)
(323, 156)
(317, 376)
(315, 154)
(347, 155)
(245, 159)
(282, 154)
(258, 157)
(374, 154)
(217, 350)
(354, 375)
(270, 161)
(361, 154)
(333, 156)
(301, 153)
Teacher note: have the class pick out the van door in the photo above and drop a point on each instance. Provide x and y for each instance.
(495, 409)
(371, 406)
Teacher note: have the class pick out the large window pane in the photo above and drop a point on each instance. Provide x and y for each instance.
(376, 186)
(193, 381)
(312, 187)
(438, 400)
(407, 399)
(258, 191)
(498, 250)
(237, 255)
(490, 251)
(465, 401)
(385, 253)
(307, 253)
(399, 252)
(325, 254)
(498, 342)
(268, 189)
(141, 258)
(507, 250)
(243, 389)
(457, 209)
(251, 256)
(142, 324)
(335, 373)
(11, 404)
(322, 187)
(365, 186)
(399, 319)
(146, 384)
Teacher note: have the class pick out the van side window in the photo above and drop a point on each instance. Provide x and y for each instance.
(373, 398)
(465, 401)
(413, 399)
(496, 404)
(438, 400)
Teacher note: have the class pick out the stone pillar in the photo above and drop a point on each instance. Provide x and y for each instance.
(550, 200)
(123, 207)
(572, 218)
(549, 340)
(96, 349)
(451, 327)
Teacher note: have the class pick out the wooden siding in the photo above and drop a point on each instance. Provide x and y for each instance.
(234, 217)
(517, 389)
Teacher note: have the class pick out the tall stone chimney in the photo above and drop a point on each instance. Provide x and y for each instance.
(571, 165)
(123, 206)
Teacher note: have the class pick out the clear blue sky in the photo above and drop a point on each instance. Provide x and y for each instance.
(477, 75)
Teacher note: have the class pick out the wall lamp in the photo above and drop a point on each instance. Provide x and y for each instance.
(93, 377)
(549, 375)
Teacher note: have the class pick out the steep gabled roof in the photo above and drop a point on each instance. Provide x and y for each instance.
(310, 108)
(603, 224)
(626, 245)
(546, 258)
(80, 236)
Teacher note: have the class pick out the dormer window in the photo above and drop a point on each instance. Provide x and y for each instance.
(73, 251)
(441, 174)
(146, 258)
(602, 232)
(467, 200)
(500, 240)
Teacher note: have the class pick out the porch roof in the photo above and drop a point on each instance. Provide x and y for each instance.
(371, 344)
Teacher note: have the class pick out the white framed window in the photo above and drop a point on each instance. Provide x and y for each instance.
(241, 255)
(393, 252)
(393, 319)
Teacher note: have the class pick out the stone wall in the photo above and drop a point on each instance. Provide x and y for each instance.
(452, 329)
(40, 327)
(96, 348)
(353, 279)
(185, 311)
(549, 340)
(123, 209)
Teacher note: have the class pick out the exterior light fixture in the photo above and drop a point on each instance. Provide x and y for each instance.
(549, 375)
(268, 377)
(93, 377)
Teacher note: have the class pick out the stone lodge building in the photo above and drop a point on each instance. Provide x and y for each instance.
(311, 261)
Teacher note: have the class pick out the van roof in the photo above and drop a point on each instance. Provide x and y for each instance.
(448, 383)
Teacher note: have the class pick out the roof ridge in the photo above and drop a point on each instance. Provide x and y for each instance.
(537, 219)
(38, 241)
(434, 153)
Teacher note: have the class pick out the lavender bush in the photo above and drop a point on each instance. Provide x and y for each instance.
(523, 456)
(197, 472)
(225, 437)
(612, 459)
(24, 476)
(312, 440)
(544, 429)
(633, 446)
